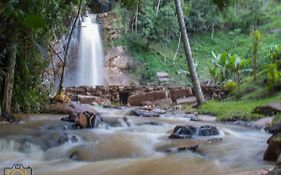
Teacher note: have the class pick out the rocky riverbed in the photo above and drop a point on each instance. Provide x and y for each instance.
(126, 143)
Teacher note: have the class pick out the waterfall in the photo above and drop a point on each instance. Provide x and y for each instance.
(90, 69)
(86, 59)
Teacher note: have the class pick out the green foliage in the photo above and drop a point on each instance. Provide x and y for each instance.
(220, 72)
(275, 56)
(236, 110)
(273, 69)
(159, 27)
(245, 15)
(35, 26)
(230, 86)
(273, 75)
(256, 35)
(227, 66)
(202, 15)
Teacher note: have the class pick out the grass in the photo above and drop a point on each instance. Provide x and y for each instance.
(233, 110)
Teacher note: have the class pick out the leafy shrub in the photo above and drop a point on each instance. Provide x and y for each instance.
(230, 86)
(227, 67)
(273, 76)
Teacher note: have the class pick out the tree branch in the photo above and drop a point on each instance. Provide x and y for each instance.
(67, 48)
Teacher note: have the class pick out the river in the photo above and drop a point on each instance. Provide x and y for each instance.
(136, 146)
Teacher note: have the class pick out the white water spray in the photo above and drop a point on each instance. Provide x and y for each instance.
(91, 54)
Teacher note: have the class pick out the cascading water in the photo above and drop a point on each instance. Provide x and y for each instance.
(86, 58)
(124, 147)
(91, 54)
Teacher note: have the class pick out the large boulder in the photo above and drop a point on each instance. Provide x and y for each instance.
(269, 109)
(177, 93)
(208, 131)
(143, 97)
(183, 132)
(274, 148)
(118, 63)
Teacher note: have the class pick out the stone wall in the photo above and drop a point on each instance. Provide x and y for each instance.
(137, 95)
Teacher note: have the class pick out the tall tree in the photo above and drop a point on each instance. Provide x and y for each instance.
(9, 79)
(188, 53)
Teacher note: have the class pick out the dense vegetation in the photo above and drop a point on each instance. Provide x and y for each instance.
(27, 35)
(153, 38)
(234, 43)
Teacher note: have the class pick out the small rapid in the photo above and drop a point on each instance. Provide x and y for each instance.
(136, 146)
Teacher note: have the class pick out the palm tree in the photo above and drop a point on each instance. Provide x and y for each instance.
(188, 53)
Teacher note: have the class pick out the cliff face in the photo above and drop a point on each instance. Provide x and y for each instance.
(118, 61)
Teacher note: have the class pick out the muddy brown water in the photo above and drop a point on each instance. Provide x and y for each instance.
(133, 148)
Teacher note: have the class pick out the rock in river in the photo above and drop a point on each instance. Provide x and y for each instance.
(208, 131)
(274, 148)
(88, 120)
(183, 132)
(277, 168)
(145, 113)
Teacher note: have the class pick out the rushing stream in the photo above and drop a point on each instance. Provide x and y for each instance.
(128, 147)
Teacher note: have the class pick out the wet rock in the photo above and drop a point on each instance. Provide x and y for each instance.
(208, 131)
(275, 128)
(179, 145)
(75, 156)
(269, 109)
(183, 132)
(59, 127)
(263, 123)
(274, 148)
(183, 148)
(145, 113)
(88, 120)
(277, 168)
(66, 138)
(150, 123)
(160, 111)
(142, 97)
(214, 140)
(177, 93)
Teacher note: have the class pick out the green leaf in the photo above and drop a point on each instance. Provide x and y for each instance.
(34, 21)
(223, 59)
